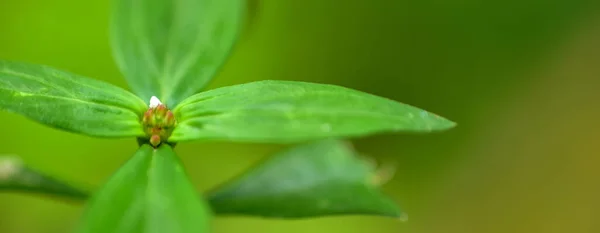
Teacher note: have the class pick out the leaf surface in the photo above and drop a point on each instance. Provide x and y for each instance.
(172, 49)
(15, 176)
(317, 179)
(69, 102)
(151, 193)
(288, 111)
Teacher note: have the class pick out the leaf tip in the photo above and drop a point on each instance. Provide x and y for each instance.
(442, 123)
(403, 217)
(9, 167)
(383, 174)
(396, 212)
(380, 174)
(450, 124)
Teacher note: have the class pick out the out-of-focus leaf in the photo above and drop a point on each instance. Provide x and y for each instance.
(69, 102)
(287, 111)
(172, 49)
(151, 193)
(317, 179)
(17, 177)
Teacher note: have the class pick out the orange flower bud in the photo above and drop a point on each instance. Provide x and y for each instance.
(155, 140)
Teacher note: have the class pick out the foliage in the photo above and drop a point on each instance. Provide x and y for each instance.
(168, 51)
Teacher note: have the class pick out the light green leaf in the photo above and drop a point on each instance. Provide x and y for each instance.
(286, 111)
(151, 193)
(172, 49)
(69, 102)
(16, 177)
(317, 179)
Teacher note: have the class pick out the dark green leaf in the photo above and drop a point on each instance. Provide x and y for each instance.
(16, 177)
(69, 102)
(286, 111)
(151, 193)
(317, 179)
(172, 49)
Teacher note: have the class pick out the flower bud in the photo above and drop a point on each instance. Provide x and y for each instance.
(155, 140)
(169, 119)
(147, 117)
(161, 110)
(155, 131)
(158, 122)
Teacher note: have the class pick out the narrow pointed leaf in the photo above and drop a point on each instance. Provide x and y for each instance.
(151, 193)
(286, 111)
(16, 177)
(317, 179)
(172, 49)
(69, 102)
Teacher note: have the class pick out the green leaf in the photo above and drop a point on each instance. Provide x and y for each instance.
(16, 177)
(317, 179)
(286, 111)
(69, 102)
(151, 193)
(172, 49)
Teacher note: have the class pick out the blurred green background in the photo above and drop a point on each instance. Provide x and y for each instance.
(521, 78)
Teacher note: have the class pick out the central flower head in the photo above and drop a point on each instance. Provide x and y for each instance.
(158, 122)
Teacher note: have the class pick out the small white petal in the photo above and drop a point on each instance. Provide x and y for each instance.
(154, 102)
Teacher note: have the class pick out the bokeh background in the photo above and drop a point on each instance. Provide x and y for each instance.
(521, 78)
